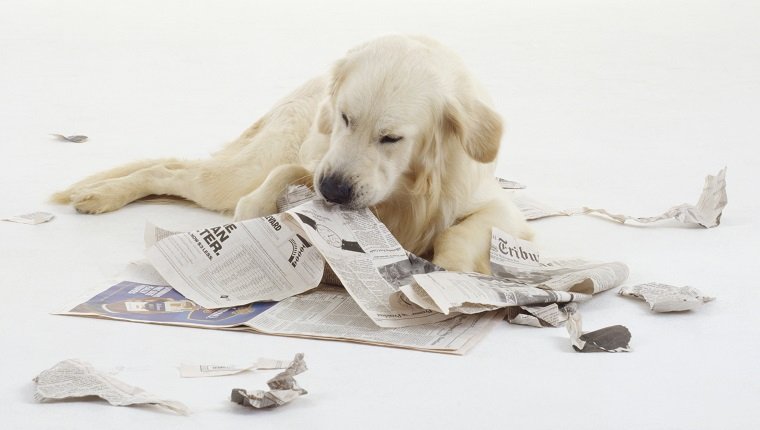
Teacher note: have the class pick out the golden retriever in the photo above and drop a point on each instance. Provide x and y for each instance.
(399, 126)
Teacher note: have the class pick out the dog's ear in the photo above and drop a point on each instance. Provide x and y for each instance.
(477, 127)
(325, 113)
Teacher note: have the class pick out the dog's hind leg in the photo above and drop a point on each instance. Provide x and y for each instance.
(64, 197)
(263, 200)
(111, 193)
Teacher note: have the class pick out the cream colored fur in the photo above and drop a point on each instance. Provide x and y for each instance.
(434, 188)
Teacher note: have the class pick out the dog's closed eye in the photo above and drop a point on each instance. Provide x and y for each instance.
(345, 118)
(389, 138)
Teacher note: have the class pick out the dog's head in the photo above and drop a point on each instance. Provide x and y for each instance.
(395, 104)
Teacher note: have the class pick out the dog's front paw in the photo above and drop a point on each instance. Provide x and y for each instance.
(96, 200)
(251, 206)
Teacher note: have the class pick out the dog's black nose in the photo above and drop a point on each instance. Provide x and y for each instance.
(335, 189)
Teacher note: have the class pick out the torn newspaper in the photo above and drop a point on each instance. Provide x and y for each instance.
(520, 278)
(367, 259)
(325, 313)
(263, 259)
(667, 298)
(280, 256)
(283, 388)
(76, 379)
(706, 213)
(614, 338)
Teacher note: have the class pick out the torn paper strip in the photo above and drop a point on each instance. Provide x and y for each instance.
(31, 218)
(75, 378)
(283, 388)
(706, 213)
(77, 138)
(474, 292)
(615, 338)
(206, 370)
(667, 298)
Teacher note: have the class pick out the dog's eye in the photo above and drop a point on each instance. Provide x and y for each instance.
(389, 138)
(345, 118)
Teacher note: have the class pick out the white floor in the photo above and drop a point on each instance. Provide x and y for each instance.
(625, 105)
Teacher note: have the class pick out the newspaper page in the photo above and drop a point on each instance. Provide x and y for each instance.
(74, 378)
(325, 313)
(234, 264)
(331, 313)
(283, 388)
(367, 259)
(706, 212)
(667, 298)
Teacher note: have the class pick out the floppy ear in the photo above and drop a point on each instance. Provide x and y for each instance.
(477, 127)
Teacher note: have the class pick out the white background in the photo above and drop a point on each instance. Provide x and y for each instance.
(624, 105)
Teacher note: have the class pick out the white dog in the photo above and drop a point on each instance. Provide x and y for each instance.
(398, 126)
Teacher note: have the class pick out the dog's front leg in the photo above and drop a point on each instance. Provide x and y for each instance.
(465, 247)
(263, 200)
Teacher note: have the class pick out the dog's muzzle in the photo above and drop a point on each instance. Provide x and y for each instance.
(335, 189)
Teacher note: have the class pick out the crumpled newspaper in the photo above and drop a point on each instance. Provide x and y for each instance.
(74, 378)
(283, 388)
(667, 298)
(609, 339)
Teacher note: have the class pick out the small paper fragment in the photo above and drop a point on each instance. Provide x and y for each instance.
(551, 315)
(207, 370)
(77, 138)
(615, 338)
(506, 184)
(32, 218)
(283, 388)
(667, 298)
(74, 378)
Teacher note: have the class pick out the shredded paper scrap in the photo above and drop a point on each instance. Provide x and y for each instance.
(667, 298)
(75, 378)
(283, 388)
(614, 338)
